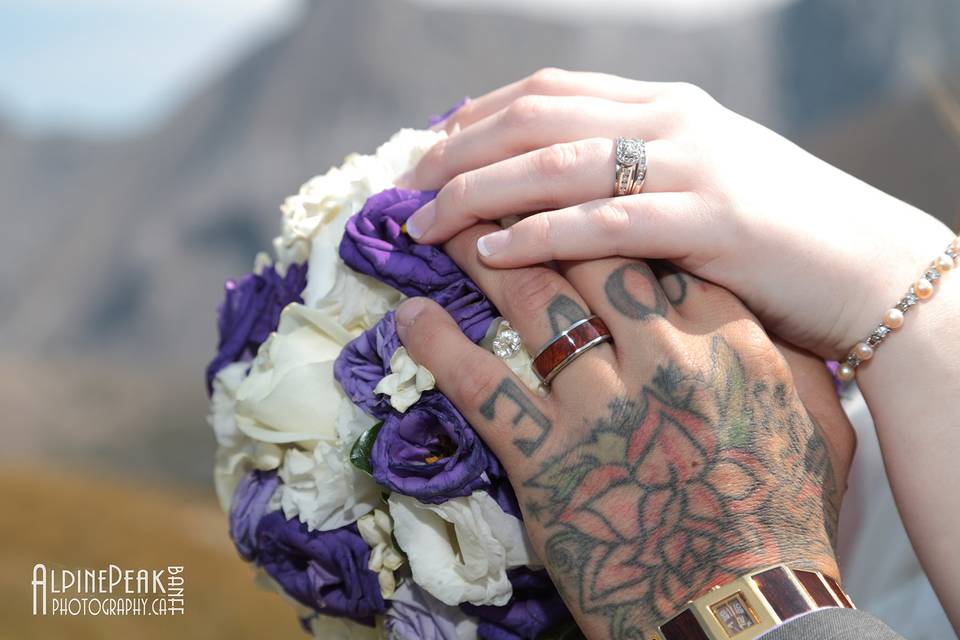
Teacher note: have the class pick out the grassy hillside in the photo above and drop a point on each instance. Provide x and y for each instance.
(81, 521)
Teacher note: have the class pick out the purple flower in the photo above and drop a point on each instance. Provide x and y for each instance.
(374, 244)
(250, 311)
(469, 307)
(535, 607)
(364, 362)
(247, 507)
(416, 615)
(435, 120)
(324, 570)
(431, 453)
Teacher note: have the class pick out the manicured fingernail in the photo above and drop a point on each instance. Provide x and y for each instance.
(420, 221)
(408, 311)
(493, 242)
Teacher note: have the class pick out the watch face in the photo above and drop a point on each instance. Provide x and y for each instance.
(734, 614)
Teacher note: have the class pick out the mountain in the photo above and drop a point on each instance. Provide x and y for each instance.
(115, 252)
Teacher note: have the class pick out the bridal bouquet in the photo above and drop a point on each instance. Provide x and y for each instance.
(352, 484)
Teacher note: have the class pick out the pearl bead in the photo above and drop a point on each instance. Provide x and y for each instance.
(923, 288)
(943, 263)
(893, 318)
(863, 351)
(846, 373)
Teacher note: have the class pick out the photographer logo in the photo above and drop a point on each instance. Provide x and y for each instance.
(113, 591)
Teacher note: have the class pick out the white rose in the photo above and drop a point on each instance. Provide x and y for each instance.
(290, 394)
(467, 562)
(355, 300)
(236, 454)
(323, 489)
(405, 382)
(404, 149)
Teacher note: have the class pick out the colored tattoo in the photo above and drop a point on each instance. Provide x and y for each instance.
(509, 390)
(634, 291)
(702, 476)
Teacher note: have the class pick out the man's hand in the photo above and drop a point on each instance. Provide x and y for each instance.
(675, 459)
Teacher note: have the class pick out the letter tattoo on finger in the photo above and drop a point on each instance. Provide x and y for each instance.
(525, 409)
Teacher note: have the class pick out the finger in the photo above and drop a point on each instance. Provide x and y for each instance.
(558, 176)
(556, 82)
(539, 303)
(513, 422)
(533, 122)
(692, 297)
(626, 294)
(648, 225)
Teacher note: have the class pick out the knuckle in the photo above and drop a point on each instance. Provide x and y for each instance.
(609, 220)
(525, 111)
(529, 291)
(559, 160)
(544, 79)
(476, 381)
(454, 193)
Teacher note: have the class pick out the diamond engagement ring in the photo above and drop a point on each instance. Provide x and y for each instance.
(506, 343)
(631, 166)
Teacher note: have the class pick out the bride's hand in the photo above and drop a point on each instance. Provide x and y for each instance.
(816, 253)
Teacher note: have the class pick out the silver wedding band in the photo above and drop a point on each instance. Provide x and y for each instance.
(631, 166)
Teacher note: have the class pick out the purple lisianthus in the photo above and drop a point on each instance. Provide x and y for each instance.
(416, 615)
(435, 120)
(324, 570)
(469, 307)
(250, 311)
(248, 506)
(535, 607)
(431, 453)
(374, 243)
(364, 362)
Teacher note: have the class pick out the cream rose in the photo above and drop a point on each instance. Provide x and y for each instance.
(290, 394)
(236, 453)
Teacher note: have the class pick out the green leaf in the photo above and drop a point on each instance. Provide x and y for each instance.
(360, 451)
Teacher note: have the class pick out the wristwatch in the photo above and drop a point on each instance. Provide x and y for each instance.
(752, 604)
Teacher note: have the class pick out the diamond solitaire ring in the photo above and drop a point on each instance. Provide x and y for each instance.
(506, 343)
(631, 166)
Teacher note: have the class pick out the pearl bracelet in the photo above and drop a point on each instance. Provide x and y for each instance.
(893, 319)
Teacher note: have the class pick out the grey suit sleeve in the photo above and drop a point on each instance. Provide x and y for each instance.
(834, 624)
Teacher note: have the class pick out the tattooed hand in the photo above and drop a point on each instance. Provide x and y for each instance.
(689, 451)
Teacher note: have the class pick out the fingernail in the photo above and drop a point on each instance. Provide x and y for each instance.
(493, 242)
(408, 311)
(420, 221)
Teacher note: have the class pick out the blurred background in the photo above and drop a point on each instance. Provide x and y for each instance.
(145, 147)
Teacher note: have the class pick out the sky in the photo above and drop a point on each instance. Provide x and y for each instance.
(115, 67)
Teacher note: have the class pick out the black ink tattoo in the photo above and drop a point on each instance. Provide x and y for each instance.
(563, 312)
(626, 299)
(674, 281)
(508, 389)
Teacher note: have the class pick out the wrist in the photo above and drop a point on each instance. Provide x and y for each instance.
(881, 277)
(753, 603)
